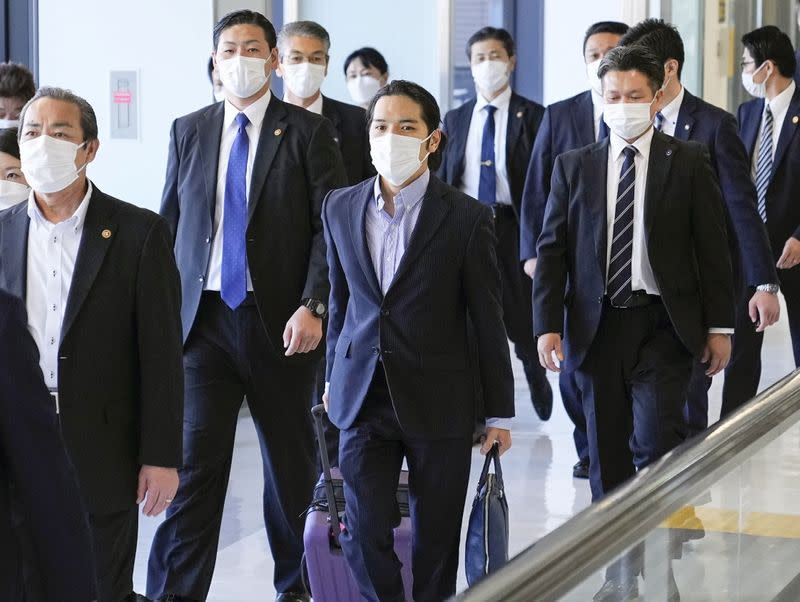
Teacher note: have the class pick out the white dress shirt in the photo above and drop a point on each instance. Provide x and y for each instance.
(255, 113)
(470, 181)
(670, 113)
(642, 277)
(52, 251)
(779, 107)
(597, 107)
(314, 107)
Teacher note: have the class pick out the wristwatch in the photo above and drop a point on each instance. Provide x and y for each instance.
(772, 289)
(317, 307)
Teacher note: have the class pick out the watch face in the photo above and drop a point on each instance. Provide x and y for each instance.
(320, 309)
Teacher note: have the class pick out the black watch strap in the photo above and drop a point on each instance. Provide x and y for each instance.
(317, 307)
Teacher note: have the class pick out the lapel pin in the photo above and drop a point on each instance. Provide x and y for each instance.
(278, 132)
(106, 233)
(669, 152)
(519, 114)
(795, 119)
(686, 127)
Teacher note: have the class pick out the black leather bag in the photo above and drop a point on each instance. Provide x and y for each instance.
(487, 534)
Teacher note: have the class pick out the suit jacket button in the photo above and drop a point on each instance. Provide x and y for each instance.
(384, 312)
(201, 278)
(375, 350)
(208, 239)
(600, 299)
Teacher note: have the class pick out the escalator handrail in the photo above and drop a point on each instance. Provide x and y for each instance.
(562, 559)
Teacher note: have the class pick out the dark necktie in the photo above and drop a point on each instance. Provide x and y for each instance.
(234, 220)
(764, 163)
(602, 132)
(619, 266)
(487, 184)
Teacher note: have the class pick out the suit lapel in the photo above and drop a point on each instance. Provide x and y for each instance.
(583, 119)
(333, 116)
(788, 129)
(459, 139)
(516, 124)
(749, 131)
(433, 211)
(209, 136)
(14, 252)
(683, 128)
(358, 233)
(273, 130)
(662, 150)
(597, 172)
(99, 232)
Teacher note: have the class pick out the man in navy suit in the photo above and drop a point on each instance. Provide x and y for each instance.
(567, 125)
(630, 275)
(37, 477)
(687, 117)
(244, 187)
(769, 128)
(412, 262)
(490, 139)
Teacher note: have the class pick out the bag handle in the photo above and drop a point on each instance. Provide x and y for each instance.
(493, 455)
(318, 411)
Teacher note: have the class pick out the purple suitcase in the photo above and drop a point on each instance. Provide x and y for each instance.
(327, 575)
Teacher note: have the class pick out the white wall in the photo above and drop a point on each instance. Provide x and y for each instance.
(565, 24)
(168, 42)
(409, 42)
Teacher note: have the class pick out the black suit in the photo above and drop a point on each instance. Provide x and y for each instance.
(119, 375)
(524, 118)
(651, 345)
(37, 477)
(783, 222)
(350, 125)
(400, 370)
(230, 354)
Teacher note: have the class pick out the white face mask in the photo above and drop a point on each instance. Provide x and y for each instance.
(591, 73)
(49, 163)
(490, 76)
(12, 193)
(396, 157)
(9, 123)
(303, 79)
(362, 88)
(754, 89)
(628, 120)
(243, 76)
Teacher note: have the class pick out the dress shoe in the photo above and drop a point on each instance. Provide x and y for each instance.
(169, 598)
(581, 469)
(617, 591)
(293, 597)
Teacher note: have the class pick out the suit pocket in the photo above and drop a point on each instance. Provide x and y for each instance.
(343, 346)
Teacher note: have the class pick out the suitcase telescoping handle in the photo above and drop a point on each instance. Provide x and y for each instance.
(318, 412)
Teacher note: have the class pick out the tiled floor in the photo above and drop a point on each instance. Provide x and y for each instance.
(541, 491)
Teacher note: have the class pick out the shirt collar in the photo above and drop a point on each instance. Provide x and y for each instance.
(76, 220)
(409, 196)
(780, 104)
(501, 102)
(597, 101)
(670, 112)
(255, 112)
(642, 144)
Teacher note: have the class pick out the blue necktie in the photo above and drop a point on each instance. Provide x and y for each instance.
(619, 266)
(234, 220)
(602, 131)
(659, 122)
(487, 184)
(764, 164)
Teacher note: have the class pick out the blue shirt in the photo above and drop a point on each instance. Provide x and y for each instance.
(388, 238)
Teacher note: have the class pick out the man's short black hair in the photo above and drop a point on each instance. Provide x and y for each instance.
(614, 27)
(16, 81)
(369, 57)
(660, 37)
(492, 33)
(771, 44)
(8, 142)
(428, 107)
(634, 58)
(246, 17)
